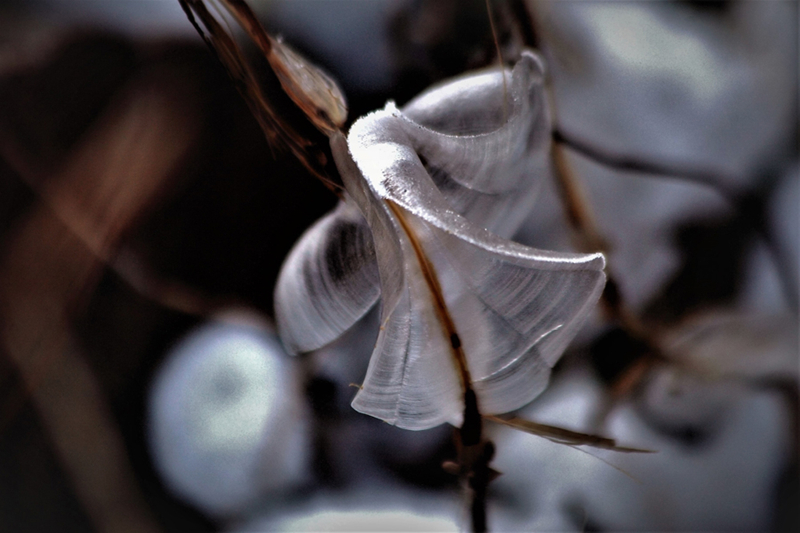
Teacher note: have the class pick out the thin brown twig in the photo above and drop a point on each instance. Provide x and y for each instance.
(439, 304)
(561, 435)
(474, 451)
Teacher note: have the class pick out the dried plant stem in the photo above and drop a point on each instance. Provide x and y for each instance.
(474, 452)
(563, 436)
(437, 295)
(627, 163)
(280, 132)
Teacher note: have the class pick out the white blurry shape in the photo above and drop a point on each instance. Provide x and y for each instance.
(140, 18)
(352, 37)
(762, 289)
(724, 483)
(369, 521)
(378, 508)
(432, 192)
(655, 80)
(638, 40)
(784, 223)
(737, 345)
(675, 400)
(226, 417)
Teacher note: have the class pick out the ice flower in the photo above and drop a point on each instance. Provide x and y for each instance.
(433, 192)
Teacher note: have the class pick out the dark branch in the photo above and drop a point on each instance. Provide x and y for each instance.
(629, 163)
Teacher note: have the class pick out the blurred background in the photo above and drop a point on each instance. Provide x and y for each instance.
(144, 219)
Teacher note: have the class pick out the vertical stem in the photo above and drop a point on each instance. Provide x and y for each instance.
(479, 483)
(474, 453)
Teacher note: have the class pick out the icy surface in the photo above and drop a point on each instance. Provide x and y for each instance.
(441, 201)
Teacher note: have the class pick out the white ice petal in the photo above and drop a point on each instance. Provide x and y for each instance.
(435, 189)
(485, 140)
(328, 281)
(401, 363)
(481, 127)
(330, 278)
(514, 308)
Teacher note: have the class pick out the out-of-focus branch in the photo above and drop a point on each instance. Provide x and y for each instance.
(629, 163)
(49, 267)
(124, 262)
(589, 239)
(721, 183)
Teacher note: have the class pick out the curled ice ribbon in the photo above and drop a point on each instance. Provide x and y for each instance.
(433, 192)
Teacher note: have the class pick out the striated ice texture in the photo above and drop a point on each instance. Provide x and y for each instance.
(441, 184)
